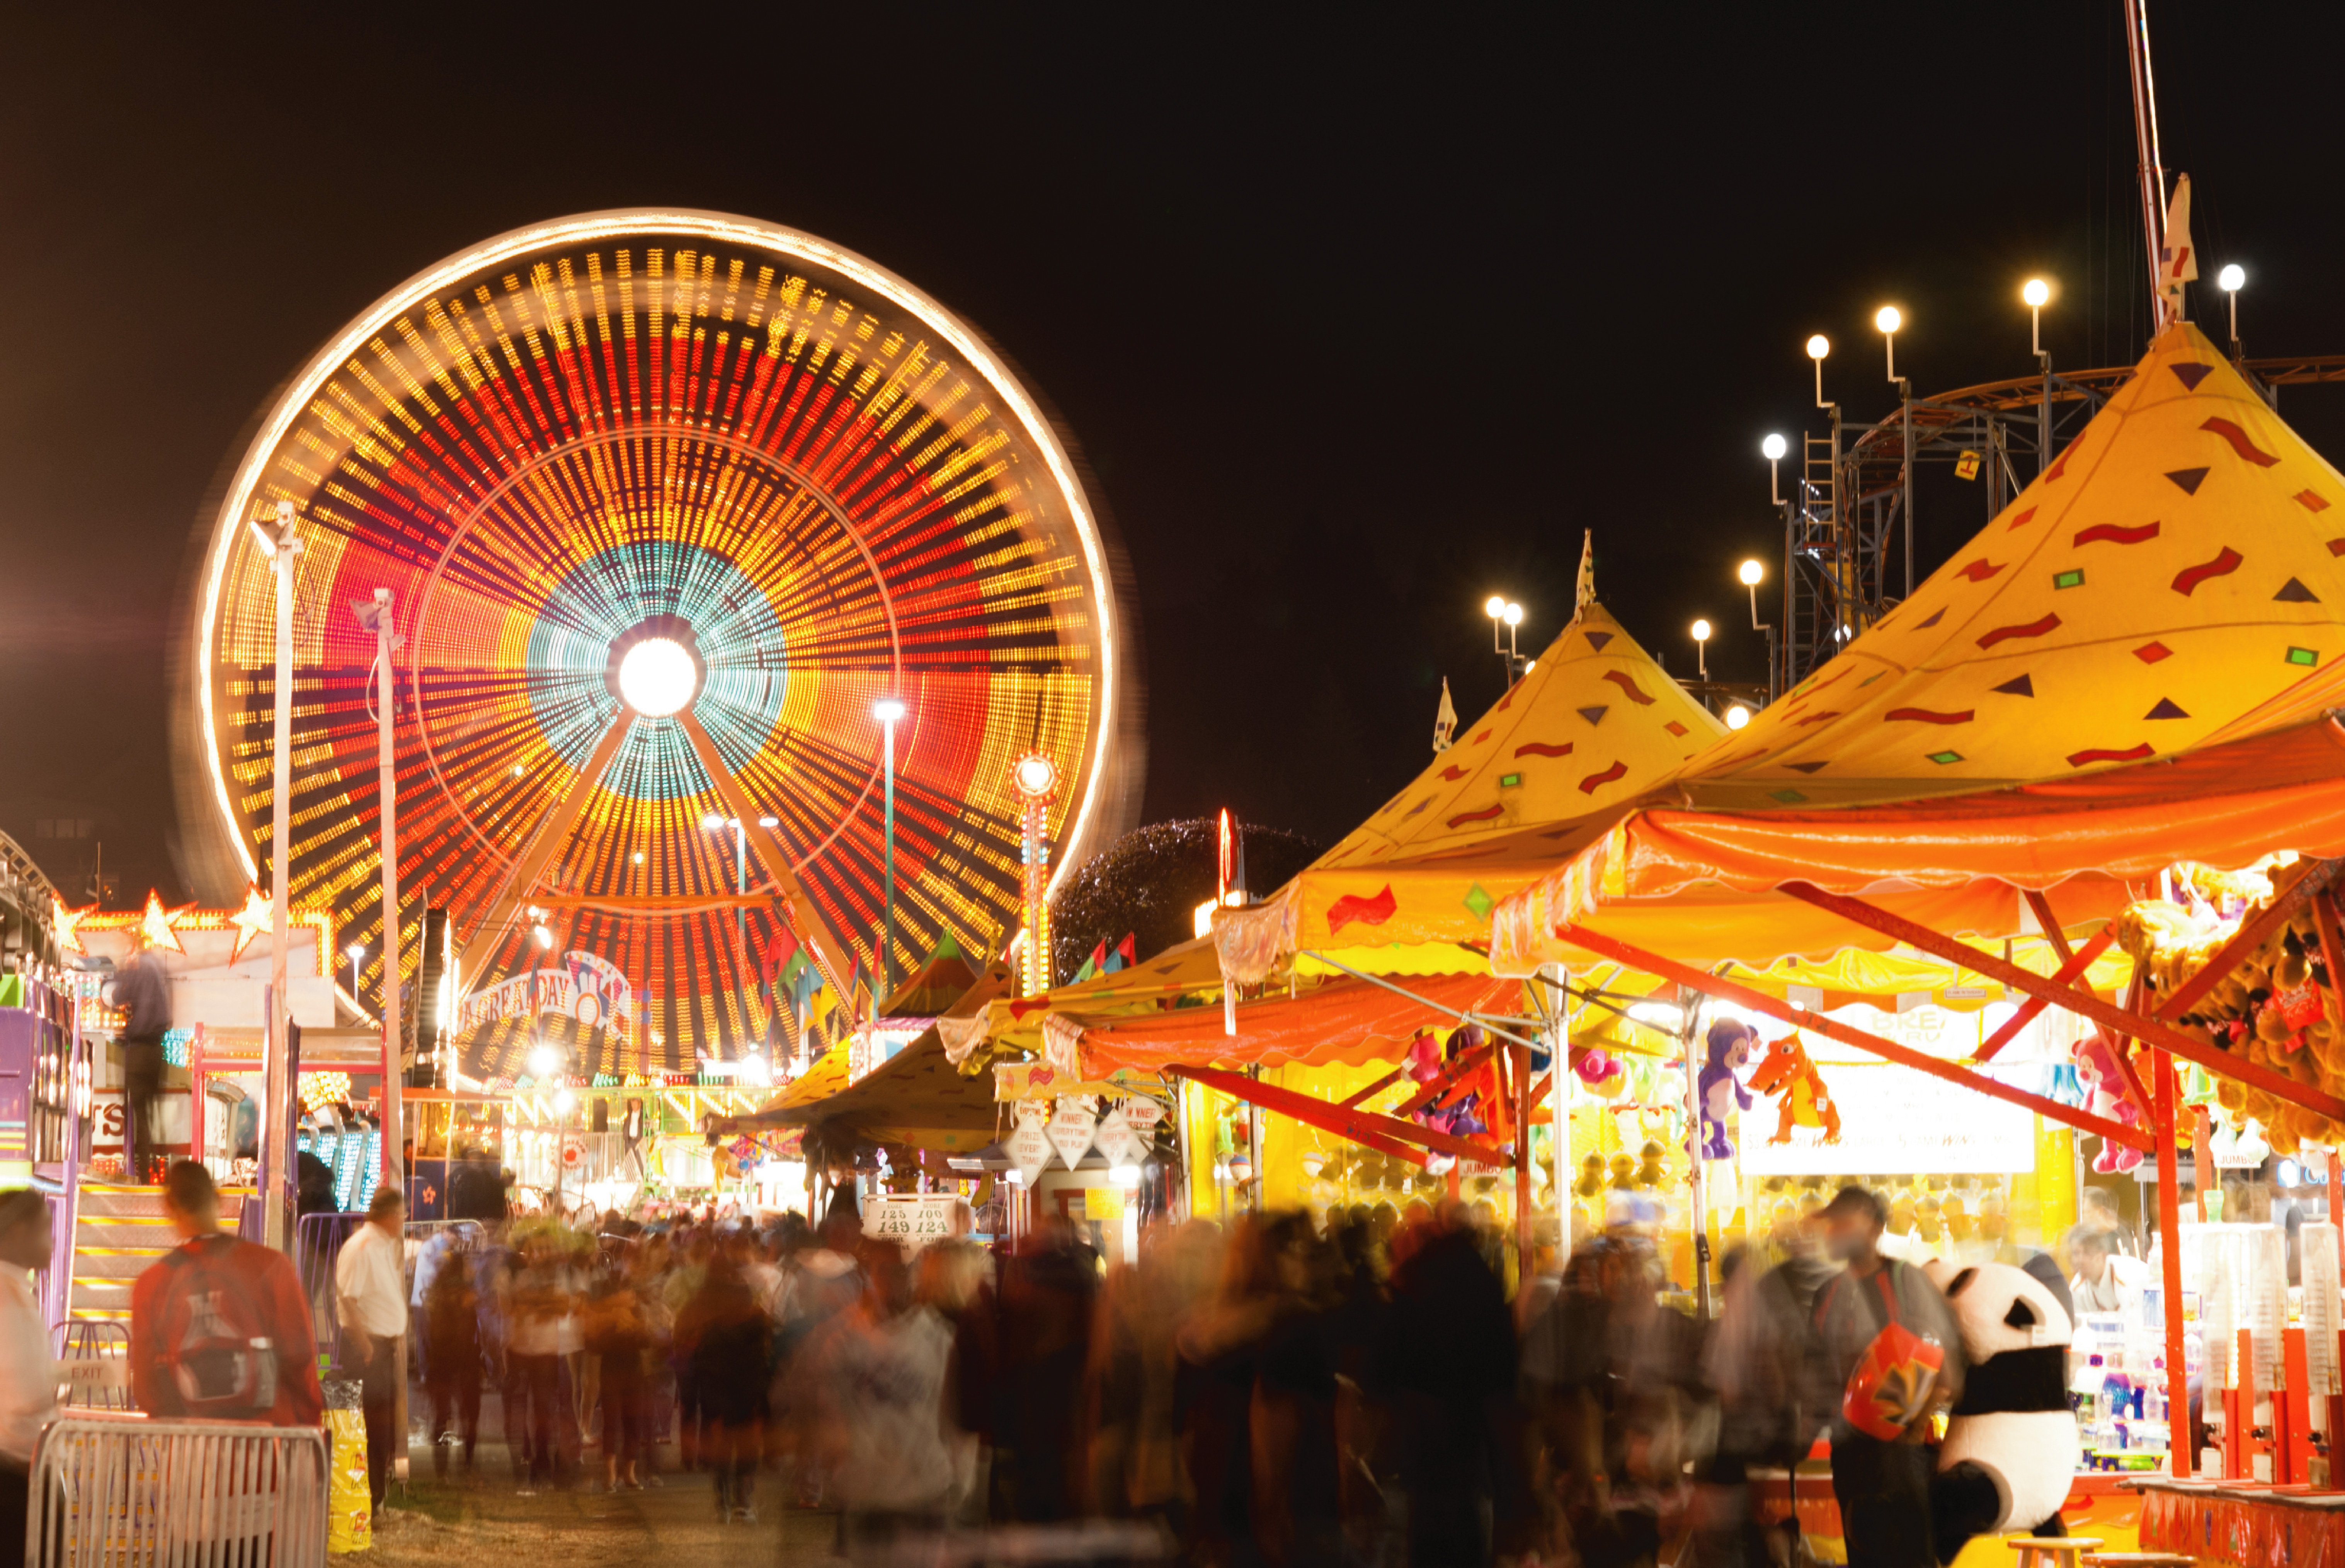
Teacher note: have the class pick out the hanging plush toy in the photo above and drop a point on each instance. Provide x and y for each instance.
(2011, 1446)
(2105, 1096)
(1595, 1068)
(1592, 1176)
(1801, 1099)
(1648, 1172)
(1719, 1093)
(1624, 1172)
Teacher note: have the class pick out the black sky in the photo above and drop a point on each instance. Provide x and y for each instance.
(1359, 316)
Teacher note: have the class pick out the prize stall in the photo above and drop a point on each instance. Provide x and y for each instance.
(2046, 743)
(1364, 1058)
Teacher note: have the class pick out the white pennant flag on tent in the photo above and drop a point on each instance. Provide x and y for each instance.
(1118, 1142)
(1072, 1129)
(1029, 1147)
(2178, 258)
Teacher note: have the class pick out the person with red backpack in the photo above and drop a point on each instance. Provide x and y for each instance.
(218, 1327)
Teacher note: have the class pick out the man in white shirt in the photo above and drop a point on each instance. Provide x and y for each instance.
(28, 1374)
(369, 1284)
(2101, 1283)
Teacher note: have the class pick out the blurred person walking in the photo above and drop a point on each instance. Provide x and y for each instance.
(143, 992)
(1447, 1368)
(880, 1369)
(451, 1314)
(1043, 1328)
(542, 1323)
(1257, 1396)
(28, 1373)
(731, 1368)
(1863, 1320)
(218, 1327)
(371, 1299)
(618, 1338)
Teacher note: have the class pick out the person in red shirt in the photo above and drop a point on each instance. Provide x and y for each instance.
(218, 1327)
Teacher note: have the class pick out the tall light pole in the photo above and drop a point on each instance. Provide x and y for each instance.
(1752, 573)
(1505, 612)
(356, 953)
(375, 615)
(715, 823)
(888, 710)
(2232, 278)
(283, 549)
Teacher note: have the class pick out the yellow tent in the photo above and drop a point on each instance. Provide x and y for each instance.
(2172, 569)
(1592, 723)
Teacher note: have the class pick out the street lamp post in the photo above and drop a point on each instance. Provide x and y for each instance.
(715, 823)
(284, 549)
(1752, 572)
(375, 615)
(1504, 612)
(888, 710)
(1702, 647)
(355, 953)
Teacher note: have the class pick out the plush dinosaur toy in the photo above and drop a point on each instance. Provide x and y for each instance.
(1801, 1099)
(1719, 1091)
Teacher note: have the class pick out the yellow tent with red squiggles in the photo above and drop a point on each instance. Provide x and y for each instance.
(2177, 566)
(1593, 724)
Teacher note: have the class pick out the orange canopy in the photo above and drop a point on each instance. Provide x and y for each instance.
(1594, 722)
(1348, 1020)
(2174, 568)
(1705, 882)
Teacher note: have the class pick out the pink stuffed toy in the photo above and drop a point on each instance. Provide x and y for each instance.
(2106, 1095)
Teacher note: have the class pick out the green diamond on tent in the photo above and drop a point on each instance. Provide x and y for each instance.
(1788, 797)
(1943, 757)
(2070, 579)
(2302, 656)
(1479, 901)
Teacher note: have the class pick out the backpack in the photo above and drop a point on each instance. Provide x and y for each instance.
(1895, 1382)
(215, 1346)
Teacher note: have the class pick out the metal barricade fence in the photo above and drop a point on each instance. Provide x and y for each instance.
(122, 1490)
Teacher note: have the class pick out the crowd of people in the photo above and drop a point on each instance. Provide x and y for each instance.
(1369, 1390)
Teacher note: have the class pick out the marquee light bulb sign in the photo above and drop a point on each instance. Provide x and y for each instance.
(1035, 777)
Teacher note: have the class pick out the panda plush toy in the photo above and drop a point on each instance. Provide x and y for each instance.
(2011, 1446)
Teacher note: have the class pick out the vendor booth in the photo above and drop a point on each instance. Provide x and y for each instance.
(2093, 733)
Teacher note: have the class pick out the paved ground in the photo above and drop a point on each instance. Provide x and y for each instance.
(485, 1521)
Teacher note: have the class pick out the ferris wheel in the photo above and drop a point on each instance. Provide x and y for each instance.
(667, 501)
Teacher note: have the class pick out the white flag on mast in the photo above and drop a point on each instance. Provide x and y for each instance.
(2178, 258)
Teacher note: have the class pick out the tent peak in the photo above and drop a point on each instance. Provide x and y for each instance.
(1586, 593)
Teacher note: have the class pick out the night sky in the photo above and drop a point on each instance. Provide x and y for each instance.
(1359, 320)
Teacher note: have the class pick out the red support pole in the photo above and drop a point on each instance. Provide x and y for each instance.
(2071, 971)
(2151, 1029)
(1522, 1062)
(2169, 1228)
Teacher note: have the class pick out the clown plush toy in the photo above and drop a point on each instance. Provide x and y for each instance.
(2011, 1446)
(1721, 1093)
(2105, 1096)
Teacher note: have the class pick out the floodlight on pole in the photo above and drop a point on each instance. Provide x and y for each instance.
(355, 953)
(1888, 320)
(1737, 717)
(1818, 347)
(2231, 280)
(1772, 449)
(1701, 647)
(1505, 612)
(2036, 293)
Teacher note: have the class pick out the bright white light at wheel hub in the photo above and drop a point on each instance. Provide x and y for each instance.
(657, 677)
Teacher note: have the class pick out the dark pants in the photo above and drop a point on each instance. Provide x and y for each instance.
(626, 1407)
(379, 1401)
(16, 1494)
(548, 1428)
(453, 1382)
(142, 1108)
(1883, 1490)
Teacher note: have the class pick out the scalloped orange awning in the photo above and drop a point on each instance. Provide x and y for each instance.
(1704, 883)
(1350, 1022)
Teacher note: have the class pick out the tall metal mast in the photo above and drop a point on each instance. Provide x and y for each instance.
(2152, 164)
